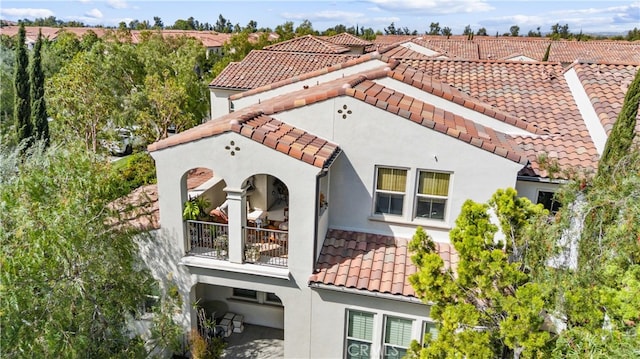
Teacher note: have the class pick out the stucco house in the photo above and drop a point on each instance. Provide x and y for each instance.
(324, 176)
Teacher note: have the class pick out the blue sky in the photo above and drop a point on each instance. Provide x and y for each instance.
(608, 16)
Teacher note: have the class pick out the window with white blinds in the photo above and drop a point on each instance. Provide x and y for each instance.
(429, 332)
(359, 334)
(397, 337)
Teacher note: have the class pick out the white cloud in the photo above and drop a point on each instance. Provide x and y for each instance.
(327, 15)
(118, 4)
(433, 6)
(84, 1)
(94, 13)
(26, 12)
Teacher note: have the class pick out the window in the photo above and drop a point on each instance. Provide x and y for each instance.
(390, 189)
(245, 294)
(397, 337)
(429, 332)
(272, 298)
(548, 201)
(359, 334)
(431, 196)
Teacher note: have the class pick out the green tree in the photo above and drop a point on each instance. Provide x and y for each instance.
(624, 129)
(285, 31)
(482, 32)
(446, 31)
(157, 23)
(305, 28)
(391, 29)
(536, 33)
(514, 30)
(71, 278)
(38, 103)
(434, 28)
(467, 30)
(7, 90)
(58, 53)
(22, 102)
(83, 97)
(222, 25)
(488, 306)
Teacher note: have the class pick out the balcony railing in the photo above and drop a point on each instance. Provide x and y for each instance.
(209, 239)
(266, 246)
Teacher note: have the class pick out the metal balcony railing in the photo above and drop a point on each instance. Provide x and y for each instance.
(266, 246)
(208, 239)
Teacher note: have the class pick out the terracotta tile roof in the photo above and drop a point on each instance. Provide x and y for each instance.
(308, 44)
(595, 51)
(339, 66)
(503, 47)
(536, 92)
(402, 52)
(346, 39)
(260, 68)
(606, 85)
(257, 126)
(140, 208)
(451, 48)
(371, 262)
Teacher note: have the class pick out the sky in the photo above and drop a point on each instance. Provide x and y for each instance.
(589, 16)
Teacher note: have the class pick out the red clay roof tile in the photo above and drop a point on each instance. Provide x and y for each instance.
(384, 266)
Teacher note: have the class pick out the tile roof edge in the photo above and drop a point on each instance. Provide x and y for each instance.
(369, 293)
(463, 99)
(353, 62)
(499, 150)
(326, 43)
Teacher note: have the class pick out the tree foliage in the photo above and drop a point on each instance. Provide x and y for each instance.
(38, 103)
(624, 129)
(22, 102)
(71, 277)
(487, 306)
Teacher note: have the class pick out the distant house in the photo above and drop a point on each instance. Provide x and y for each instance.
(325, 175)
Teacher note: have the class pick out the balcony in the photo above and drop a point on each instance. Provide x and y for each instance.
(209, 239)
(266, 246)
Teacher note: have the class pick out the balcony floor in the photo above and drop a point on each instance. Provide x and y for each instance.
(256, 342)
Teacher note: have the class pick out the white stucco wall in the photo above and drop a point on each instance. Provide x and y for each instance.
(328, 313)
(530, 189)
(220, 101)
(370, 136)
(252, 158)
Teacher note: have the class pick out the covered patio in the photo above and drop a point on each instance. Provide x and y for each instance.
(255, 342)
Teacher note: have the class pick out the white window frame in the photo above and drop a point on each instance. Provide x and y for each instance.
(424, 331)
(388, 348)
(260, 297)
(347, 349)
(376, 191)
(418, 195)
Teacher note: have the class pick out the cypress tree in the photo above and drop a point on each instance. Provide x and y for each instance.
(38, 104)
(22, 110)
(624, 129)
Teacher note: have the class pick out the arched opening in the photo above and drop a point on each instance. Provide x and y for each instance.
(204, 214)
(267, 224)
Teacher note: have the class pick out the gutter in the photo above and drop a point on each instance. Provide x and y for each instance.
(541, 180)
(366, 293)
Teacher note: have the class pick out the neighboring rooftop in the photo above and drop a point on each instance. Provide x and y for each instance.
(262, 67)
(371, 262)
(308, 44)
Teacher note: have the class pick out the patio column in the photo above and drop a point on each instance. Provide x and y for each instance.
(237, 213)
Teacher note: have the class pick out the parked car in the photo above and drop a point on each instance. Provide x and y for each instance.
(124, 143)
